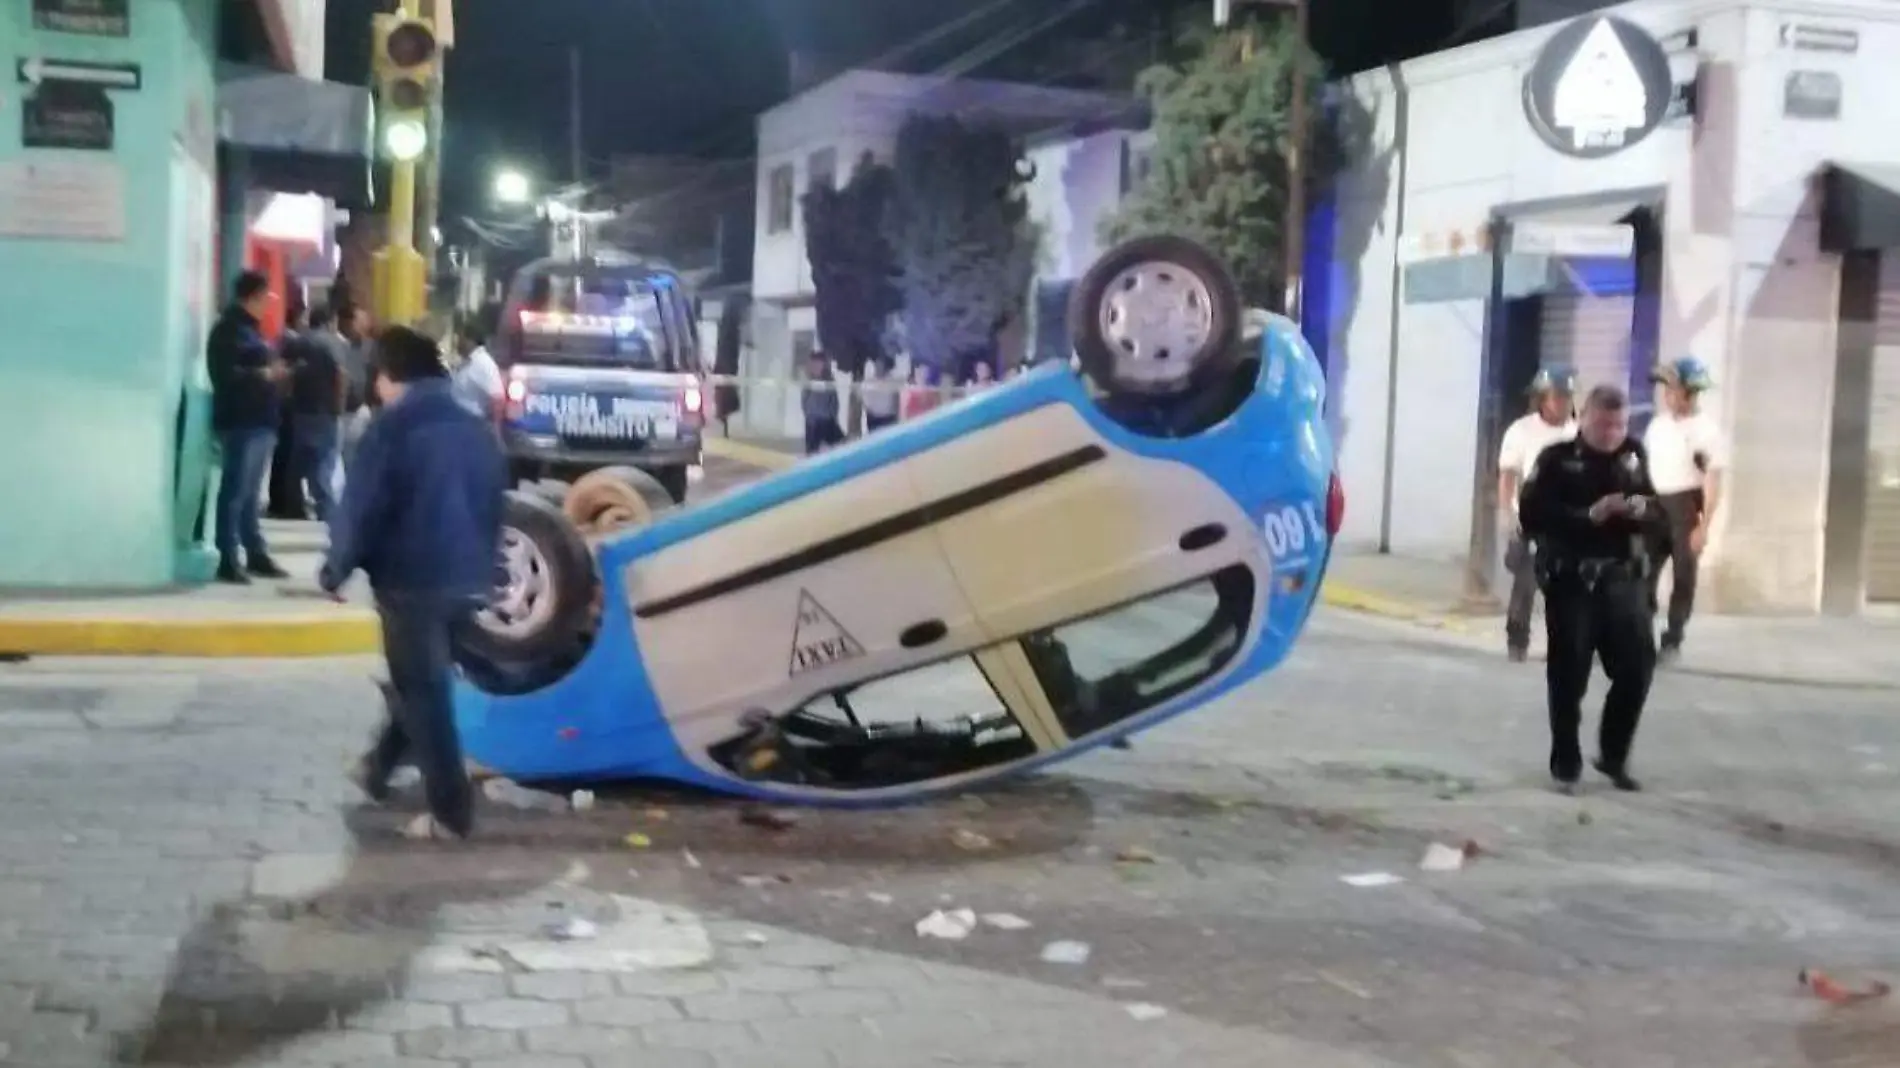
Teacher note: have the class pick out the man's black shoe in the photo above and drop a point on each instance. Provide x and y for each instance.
(265, 567)
(1566, 776)
(1670, 652)
(1619, 778)
(1518, 654)
(229, 572)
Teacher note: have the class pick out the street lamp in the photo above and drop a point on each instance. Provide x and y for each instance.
(513, 187)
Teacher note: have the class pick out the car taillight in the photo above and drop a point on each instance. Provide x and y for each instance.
(1335, 507)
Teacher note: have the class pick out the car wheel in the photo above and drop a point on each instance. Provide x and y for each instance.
(1156, 317)
(543, 607)
(615, 498)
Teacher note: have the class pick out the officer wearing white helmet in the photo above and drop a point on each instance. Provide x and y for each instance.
(1687, 459)
(1550, 420)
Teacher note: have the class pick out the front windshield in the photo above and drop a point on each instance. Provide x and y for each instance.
(623, 312)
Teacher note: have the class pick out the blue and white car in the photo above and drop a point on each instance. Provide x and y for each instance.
(1073, 556)
(600, 362)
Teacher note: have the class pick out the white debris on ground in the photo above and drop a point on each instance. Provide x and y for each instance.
(954, 925)
(1371, 879)
(1005, 921)
(1066, 953)
(1144, 1012)
(1440, 857)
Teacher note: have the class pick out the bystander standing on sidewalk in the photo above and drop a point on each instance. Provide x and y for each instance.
(477, 378)
(421, 516)
(982, 376)
(820, 401)
(882, 393)
(318, 391)
(247, 383)
(355, 331)
(1549, 421)
(1687, 459)
(921, 395)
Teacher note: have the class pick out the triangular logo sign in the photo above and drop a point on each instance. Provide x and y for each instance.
(1600, 97)
(818, 639)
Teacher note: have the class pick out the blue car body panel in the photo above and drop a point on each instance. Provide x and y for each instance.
(1273, 456)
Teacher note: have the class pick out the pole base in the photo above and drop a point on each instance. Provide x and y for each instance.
(398, 286)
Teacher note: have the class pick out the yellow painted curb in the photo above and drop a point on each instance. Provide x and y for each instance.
(1354, 599)
(756, 455)
(209, 638)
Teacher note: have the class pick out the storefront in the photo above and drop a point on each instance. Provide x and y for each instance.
(1633, 186)
(110, 219)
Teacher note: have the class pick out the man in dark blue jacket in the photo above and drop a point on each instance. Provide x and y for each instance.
(247, 382)
(421, 516)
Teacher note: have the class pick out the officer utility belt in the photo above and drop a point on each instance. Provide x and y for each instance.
(1590, 572)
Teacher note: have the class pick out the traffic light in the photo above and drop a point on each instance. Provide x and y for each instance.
(404, 63)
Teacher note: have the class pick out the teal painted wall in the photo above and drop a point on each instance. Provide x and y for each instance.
(102, 342)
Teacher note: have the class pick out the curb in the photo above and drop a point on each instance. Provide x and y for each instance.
(1354, 599)
(756, 455)
(255, 638)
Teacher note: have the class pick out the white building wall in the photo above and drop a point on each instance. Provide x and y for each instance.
(1745, 286)
(1076, 188)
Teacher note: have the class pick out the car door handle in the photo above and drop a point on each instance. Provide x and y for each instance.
(918, 635)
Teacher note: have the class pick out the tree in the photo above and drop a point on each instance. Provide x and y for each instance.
(1218, 173)
(960, 226)
(853, 272)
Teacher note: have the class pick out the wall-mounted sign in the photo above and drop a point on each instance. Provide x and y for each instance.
(1530, 237)
(1809, 38)
(66, 200)
(1811, 94)
(1599, 85)
(69, 115)
(94, 18)
(34, 70)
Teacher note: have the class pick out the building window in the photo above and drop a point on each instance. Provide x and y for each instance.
(1135, 164)
(778, 199)
(822, 169)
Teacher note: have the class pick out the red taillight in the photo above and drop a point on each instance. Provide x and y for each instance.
(692, 403)
(1335, 507)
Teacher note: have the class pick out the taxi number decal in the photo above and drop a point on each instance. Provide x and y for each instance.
(1291, 529)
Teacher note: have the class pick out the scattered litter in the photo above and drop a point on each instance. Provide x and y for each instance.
(971, 842)
(1004, 921)
(756, 938)
(582, 800)
(953, 926)
(637, 840)
(573, 929)
(879, 899)
(1440, 857)
(768, 819)
(1371, 879)
(1352, 988)
(691, 860)
(1832, 991)
(577, 872)
(759, 881)
(657, 814)
(1065, 953)
(514, 795)
(1143, 1012)
(1136, 855)
(1116, 982)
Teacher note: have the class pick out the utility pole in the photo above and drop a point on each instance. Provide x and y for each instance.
(430, 191)
(578, 161)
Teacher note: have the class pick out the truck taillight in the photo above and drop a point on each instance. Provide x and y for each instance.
(515, 394)
(692, 403)
(1335, 507)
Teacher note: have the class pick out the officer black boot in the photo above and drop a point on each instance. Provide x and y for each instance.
(262, 566)
(1619, 777)
(231, 572)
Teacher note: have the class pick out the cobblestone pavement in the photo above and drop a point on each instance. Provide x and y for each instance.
(184, 880)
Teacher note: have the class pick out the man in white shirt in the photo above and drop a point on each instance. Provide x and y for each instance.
(1549, 421)
(882, 389)
(476, 379)
(1687, 458)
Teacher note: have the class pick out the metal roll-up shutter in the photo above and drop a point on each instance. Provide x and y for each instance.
(1883, 442)
(1590, 334)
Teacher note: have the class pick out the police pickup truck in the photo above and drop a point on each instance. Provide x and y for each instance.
(600, 361)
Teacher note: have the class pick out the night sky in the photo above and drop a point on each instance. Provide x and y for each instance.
(687, 77)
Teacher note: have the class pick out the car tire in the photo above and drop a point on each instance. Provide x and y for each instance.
(544, 607)
(615, 498)
(675, 480)
(1165, 278)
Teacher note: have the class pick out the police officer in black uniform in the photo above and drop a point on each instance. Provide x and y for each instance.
(1590, 512)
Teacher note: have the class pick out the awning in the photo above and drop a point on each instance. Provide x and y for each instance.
(1860, 208)
(301, 136)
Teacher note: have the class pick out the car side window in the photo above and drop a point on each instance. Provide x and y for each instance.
(1104, 669)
